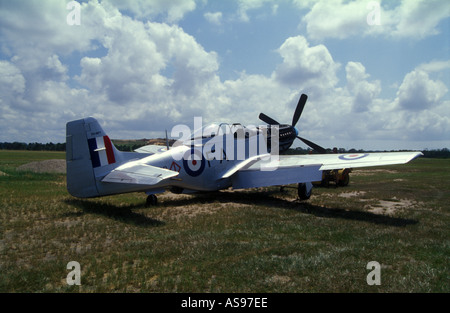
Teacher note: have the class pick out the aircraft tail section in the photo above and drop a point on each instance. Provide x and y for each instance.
(89, 155)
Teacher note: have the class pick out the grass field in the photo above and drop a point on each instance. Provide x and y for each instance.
(260, 240)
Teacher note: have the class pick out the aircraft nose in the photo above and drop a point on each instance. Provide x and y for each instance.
(296, 131)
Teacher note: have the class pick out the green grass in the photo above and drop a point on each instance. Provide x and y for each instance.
(258, 240)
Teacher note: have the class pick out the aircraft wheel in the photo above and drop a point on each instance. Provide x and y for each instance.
(304, 193)
(152, 200)
(345, 180)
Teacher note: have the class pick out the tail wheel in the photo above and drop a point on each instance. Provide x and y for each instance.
(304, 191)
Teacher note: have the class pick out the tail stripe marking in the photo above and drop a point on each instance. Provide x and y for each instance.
(101, 151)
(109, 150)
(95, 158)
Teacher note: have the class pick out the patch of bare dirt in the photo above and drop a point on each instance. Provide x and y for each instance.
(385, 207)
(278, 279)
(351, 194)
(372, 172)
(46, 166)
(389, 207)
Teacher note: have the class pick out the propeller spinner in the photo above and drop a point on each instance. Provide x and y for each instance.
(288, 133)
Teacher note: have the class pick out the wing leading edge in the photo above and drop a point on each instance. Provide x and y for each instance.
(339, 161)
(289, 169)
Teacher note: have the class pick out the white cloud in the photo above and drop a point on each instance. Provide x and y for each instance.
(249, 95)
(139, 76)
(193, 67)
(364, 92)
(434, 66)
(133, 79)
(43, 23)
(53, 69)
(173, 10)
(126, 85)
(336, 19)
(342, 19)
(11, 79)
(419, 19)
(355, 112)
(246, 5)
(214, 18)
(305, 66)
(419, 92)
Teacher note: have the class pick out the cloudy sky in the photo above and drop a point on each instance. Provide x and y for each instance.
(376, 72)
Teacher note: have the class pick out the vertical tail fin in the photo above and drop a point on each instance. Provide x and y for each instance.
(89, 152)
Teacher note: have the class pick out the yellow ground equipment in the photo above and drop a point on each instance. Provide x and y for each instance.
(339, 177)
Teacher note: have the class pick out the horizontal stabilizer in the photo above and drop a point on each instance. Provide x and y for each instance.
(151, 149)
(139, 174)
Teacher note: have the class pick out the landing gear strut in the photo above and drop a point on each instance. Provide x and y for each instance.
(152, 200)
(304, 191)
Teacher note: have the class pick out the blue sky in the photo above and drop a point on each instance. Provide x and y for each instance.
(141, 67)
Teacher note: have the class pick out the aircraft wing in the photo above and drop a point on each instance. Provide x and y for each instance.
(352, 160)
(151, 149)
(290, 169)
(138, 173)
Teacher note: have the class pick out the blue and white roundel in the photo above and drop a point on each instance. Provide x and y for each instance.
(193, 162)
(351, 157)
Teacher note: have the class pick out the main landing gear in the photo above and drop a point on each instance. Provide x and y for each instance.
(152, 200)
(304, 191)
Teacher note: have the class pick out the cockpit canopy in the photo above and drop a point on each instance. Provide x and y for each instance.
(215, 129)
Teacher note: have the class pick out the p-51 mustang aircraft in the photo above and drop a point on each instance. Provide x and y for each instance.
(215, 157)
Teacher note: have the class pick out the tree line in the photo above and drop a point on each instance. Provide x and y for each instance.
(35, 146)
(50, 146)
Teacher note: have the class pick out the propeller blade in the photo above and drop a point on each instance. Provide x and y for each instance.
(313, 145)
(267, 119)
(299, 109)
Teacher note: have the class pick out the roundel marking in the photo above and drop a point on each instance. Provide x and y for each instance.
(193, 162)
(351, 157)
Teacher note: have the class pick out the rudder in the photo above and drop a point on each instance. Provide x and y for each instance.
(88, 150)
